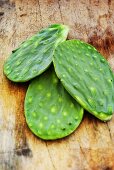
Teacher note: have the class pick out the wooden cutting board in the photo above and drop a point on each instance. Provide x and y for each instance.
(91, 146)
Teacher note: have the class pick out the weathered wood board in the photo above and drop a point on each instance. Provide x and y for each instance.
(91, 146)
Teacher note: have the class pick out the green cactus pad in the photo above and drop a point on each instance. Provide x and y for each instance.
(87, 76)
(50, 112)
(113, 90)
(35, 54)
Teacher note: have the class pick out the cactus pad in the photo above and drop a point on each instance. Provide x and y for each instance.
(35, 54)
(86, 75)
(50, 112)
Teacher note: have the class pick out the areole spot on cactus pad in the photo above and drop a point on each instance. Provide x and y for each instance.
(50, 112)
(86, 75)
(35, 54)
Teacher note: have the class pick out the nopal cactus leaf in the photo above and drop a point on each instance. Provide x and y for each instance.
(87, 76)
(50, 112)
(35, 54)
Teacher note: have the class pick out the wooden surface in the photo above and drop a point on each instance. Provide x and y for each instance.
(91, 146)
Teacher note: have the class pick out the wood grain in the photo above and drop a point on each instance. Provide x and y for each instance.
(91, 146)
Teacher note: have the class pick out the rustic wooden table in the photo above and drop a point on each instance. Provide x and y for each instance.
(91, 146)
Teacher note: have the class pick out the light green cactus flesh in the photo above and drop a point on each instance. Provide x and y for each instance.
(86, 75)
(50, 112)
(34, 55)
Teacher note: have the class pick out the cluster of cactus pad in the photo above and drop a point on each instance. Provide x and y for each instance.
(79, 78)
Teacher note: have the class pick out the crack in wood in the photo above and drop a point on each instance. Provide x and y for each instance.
(50, 156)
(40, 13)
(109, 131)
(60, 11)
